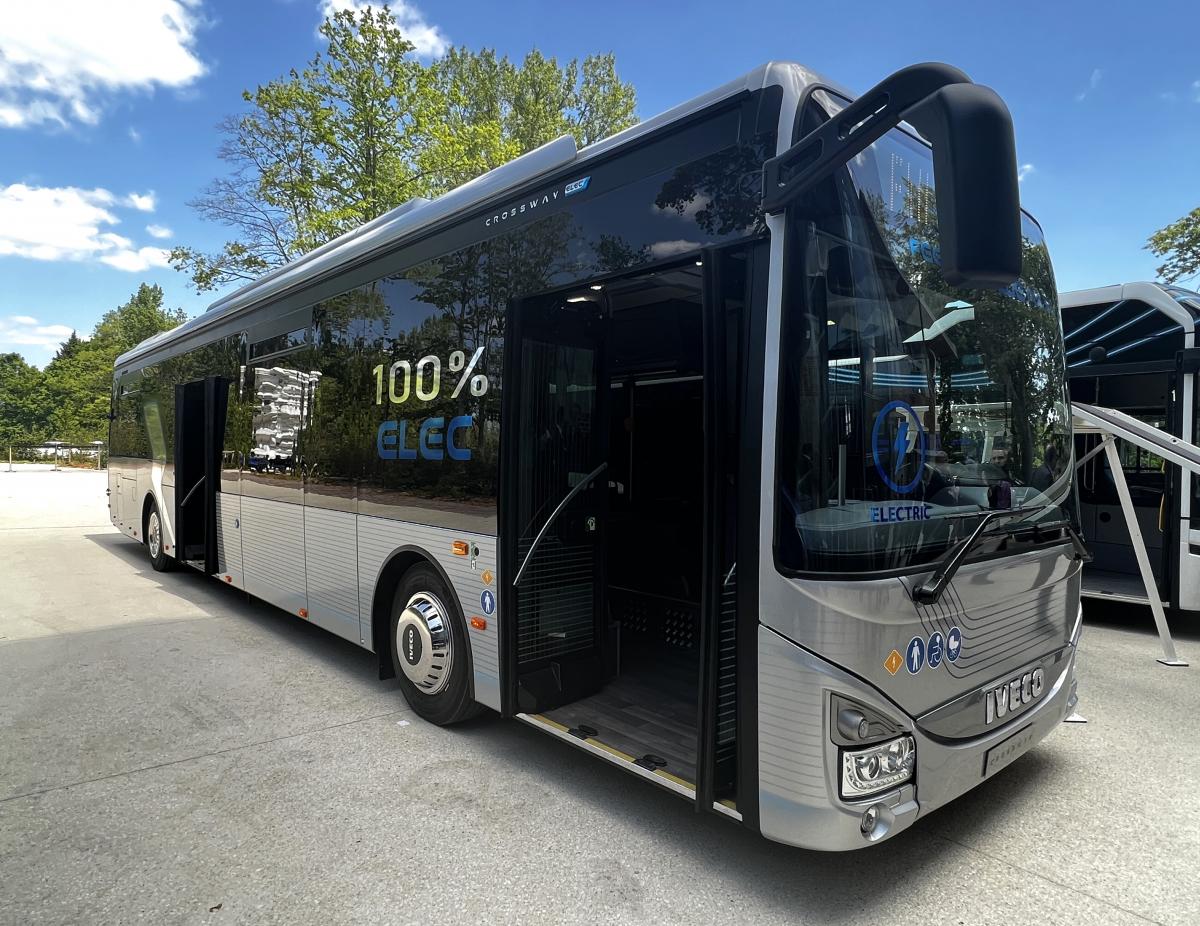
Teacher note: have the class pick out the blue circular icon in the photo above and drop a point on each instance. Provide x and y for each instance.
(487, 601)
(897, 453)
(953, 644)
(935, 650)
(914, 655)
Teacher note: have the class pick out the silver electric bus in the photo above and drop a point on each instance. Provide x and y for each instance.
(733, 450)
(1132, 347)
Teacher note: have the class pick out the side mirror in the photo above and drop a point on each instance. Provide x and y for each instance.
(975, 182)
(974, 157)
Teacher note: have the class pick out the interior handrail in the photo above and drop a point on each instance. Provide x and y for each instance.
(187, 498)
(578, 487)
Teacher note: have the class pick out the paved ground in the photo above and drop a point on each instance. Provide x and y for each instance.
(172, 753)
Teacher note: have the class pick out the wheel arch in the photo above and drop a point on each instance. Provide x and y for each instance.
(147, 504)
(391, 574)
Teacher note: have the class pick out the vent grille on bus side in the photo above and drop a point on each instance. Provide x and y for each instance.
(657, 618)
(556, 599)
(726, 753)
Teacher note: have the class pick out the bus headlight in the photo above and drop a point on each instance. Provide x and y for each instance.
(877, 768)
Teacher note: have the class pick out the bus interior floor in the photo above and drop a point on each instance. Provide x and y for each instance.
(649, 708)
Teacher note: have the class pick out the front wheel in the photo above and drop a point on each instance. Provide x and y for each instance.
(154, 541)
(430, 649)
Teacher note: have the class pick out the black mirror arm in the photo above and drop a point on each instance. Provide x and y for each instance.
(851, 131)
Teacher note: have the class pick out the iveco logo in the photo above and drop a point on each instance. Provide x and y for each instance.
(412, 645)
(1013, 696)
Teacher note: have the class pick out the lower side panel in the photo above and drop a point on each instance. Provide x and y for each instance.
(273, 552)
(379, 538)
(331, 566)
(229, 539)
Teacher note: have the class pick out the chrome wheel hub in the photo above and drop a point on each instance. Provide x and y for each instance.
(154, 535)
(423, 639)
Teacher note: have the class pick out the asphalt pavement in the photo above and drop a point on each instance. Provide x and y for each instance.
(172, 752)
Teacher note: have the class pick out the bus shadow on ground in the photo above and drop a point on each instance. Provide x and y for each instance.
(829, 887)
(221, 600)
(835, 887)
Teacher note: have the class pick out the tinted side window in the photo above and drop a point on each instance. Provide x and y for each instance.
(339, 432)
(128, 432)
(431, 343)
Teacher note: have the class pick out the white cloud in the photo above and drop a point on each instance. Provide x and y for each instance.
(1196, 90)
(159, 231)
(143, 202)
(136, 261)
(1093, 83)
(1024, 171)
(429, 40)
(690, 208)
(56, 67)
(69, 223)
(26, 331)
(662, 249)
(135, 136)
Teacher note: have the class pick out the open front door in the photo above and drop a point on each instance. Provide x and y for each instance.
(555, 504)
(200, 409)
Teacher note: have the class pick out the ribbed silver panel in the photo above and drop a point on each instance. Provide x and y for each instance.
(229, 539)
(331, 565)
(379, 538)
(791, 747)
(1026, 624)
(1009, 611)
(273, 552)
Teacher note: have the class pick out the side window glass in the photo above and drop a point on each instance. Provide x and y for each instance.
(151, 413)
(432, 343)
(279, 392)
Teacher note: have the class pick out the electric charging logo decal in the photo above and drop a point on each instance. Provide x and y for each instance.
(894, 456)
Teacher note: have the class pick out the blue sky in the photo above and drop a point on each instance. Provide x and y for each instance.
(107, 113)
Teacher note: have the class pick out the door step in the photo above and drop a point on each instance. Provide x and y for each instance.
(578, 737)
(646, 766)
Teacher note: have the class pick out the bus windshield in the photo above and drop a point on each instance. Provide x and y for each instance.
(909, 408)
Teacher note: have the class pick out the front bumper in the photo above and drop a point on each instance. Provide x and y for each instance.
(799, 772)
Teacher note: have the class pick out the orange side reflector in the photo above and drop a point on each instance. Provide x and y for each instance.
(459, 548)
(304, 612)
(229, 578)
(479, 623)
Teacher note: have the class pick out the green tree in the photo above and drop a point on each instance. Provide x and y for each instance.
(366, 126)
(69, 346)
(1179, 243)
(23, 408)
(78, 381)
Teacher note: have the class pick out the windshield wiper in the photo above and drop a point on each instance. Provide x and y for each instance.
(930, 591)
(1082, 553)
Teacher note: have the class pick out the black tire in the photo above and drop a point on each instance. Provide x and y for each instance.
(154, 541)
(435, 678)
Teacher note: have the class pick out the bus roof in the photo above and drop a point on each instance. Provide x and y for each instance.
(405, 221)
